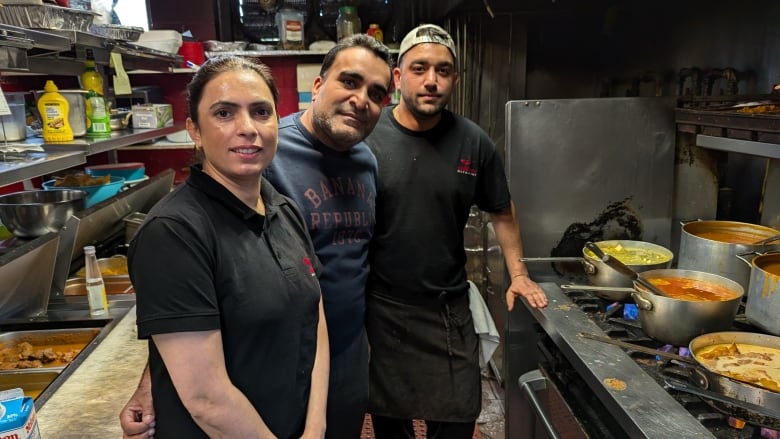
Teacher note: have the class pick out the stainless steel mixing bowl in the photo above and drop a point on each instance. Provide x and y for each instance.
(30, 214)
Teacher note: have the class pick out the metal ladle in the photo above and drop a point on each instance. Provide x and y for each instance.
(766, 241)
(623, 269)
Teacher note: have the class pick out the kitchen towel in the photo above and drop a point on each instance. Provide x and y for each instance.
(484, 325)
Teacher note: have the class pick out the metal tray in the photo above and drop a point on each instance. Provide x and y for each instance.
(64, 339)
(114, 285)
(31, 381)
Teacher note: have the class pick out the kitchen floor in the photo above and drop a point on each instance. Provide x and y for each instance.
(490, 424)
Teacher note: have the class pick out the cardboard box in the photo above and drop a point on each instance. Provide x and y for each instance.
(17, 416)
(152, 115)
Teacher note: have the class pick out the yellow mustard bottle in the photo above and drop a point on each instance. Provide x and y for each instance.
(54, 109)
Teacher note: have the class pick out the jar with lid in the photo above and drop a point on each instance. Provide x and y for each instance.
(348, 22)
(290, 24)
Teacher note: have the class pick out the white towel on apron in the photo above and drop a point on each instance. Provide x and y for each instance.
(484, 325)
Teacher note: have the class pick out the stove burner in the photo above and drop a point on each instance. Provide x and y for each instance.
(611, 319)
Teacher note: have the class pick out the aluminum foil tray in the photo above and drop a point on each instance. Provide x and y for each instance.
(117, 32)
(46, 17)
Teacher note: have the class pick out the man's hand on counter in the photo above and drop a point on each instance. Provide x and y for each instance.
(137, 416)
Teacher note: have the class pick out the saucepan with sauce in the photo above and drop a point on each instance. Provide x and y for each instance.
(606, 282)
(763, 298)
(742, 366)
(712, 246)
(694, 303)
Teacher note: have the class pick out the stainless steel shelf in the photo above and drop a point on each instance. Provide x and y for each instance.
(761, 149)
(118, 139)
(64, 155)
(276, 53)
(37, 164)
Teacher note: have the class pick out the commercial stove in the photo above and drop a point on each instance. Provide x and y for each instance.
(562, 383)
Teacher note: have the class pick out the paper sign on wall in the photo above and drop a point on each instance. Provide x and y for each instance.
(121, 80)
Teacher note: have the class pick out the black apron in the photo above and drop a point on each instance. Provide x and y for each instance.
(424, 357)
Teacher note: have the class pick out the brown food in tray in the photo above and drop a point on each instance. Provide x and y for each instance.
(81, 180)
(760, 109)
(44, 349)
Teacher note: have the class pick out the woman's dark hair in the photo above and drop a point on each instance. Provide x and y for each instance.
(357, 40)
(221, 64)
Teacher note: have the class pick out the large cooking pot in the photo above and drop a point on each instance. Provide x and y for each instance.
(711, 246)
(602, 275)
(763, 297)
(706, 378)
(676, 321)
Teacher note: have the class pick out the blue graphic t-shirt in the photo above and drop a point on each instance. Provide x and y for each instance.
(336, 193)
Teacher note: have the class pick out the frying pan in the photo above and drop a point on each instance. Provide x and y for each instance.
(735, 392)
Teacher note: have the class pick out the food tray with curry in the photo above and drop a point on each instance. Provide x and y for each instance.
(51, 349)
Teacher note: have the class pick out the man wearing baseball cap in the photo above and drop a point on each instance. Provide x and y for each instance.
(433, 166)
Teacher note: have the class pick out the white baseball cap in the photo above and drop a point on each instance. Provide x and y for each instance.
(427, 33)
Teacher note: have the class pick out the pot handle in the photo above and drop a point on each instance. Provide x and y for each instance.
(588, 267)
(743, 257)
(699, 378)
(641, 302)
(684, 222)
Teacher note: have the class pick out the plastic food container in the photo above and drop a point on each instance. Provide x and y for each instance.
(163, 40)
(12, 126)
(128, 171)
(95, 194)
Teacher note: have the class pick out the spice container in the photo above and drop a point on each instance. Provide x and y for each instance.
(290, 25)
(375, 31)
(348, 22)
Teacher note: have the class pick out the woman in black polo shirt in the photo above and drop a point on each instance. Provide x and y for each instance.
(225, 277)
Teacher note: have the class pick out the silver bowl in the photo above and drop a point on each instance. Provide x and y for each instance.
(30, 214)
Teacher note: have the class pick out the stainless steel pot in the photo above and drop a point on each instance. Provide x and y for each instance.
(676, 321)
(763, 297)
(602, 275)
(708, 379)
(697, 252)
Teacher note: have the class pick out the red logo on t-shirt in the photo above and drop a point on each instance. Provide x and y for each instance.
(467, 167)
(307, 262)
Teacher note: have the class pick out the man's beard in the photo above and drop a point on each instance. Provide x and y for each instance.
(343, 140)
(426, 112)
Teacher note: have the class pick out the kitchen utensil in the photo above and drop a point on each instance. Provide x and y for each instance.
(676, 321)
(769, 240)
(95, 194)
(763, 294)
(599, 274)
(638, 348)
(29, 214)
(711, 246)
(618, 294)
(128, 171)
(623, 269)
(754, 413)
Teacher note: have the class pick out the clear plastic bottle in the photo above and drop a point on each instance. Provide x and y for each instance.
(348, 22)
(96, 289)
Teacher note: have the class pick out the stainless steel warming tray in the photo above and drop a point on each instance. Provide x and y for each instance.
(20, 349)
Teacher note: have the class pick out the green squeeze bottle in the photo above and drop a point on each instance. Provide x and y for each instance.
(98, 116)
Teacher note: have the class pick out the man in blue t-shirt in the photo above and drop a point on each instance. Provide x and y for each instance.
(324, 166)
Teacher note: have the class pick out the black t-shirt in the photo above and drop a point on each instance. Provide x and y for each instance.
(203, 260)
(427, 183)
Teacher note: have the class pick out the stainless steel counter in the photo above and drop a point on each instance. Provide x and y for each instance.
(643, 408)
(87, 403)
